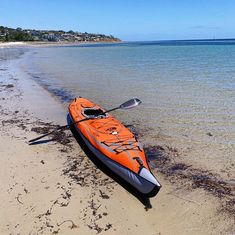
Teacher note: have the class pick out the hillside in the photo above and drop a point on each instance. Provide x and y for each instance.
(19, 34)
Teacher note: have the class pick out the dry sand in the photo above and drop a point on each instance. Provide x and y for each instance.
(54, 188)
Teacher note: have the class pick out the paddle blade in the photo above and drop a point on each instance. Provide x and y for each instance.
(130, 104)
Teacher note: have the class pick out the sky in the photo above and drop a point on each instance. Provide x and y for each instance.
(130, 20)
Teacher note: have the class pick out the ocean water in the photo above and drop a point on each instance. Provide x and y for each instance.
(187, 89)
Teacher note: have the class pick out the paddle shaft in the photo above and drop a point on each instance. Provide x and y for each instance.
(69, 125)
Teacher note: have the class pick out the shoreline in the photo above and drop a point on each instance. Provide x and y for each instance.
(52, 44)
(62, 169)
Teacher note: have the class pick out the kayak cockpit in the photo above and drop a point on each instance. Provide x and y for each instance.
(94, 113)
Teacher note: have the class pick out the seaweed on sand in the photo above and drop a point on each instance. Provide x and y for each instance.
(59, 136)
(163, 159)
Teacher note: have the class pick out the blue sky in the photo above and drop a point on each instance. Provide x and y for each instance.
(127, 19)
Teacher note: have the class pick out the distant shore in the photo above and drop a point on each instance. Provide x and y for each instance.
(46, 44)
(228, 41)
(53, 187)
(11, 44)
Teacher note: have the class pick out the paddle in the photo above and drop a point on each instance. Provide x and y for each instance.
(126, 105)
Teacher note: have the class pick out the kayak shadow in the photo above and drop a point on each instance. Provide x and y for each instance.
(141, 197)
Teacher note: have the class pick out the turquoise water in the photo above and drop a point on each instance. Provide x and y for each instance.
(187, 87)
(136, 67)
(164, 76)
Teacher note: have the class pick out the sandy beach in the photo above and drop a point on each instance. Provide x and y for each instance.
(54, 188)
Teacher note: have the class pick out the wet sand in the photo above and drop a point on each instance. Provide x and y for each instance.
(54, 188)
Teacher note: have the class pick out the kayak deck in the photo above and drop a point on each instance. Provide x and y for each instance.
(109, 136)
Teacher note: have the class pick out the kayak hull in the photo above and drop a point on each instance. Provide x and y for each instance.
(142, 185)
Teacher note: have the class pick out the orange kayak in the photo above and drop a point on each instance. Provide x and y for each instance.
(113, 144)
